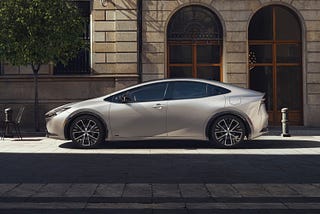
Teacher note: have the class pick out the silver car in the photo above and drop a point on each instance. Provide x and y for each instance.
(224, 114)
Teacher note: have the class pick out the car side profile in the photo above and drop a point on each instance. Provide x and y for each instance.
(222, 114)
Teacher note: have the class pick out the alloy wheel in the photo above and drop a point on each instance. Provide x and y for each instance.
(85, 132)
(228, 131)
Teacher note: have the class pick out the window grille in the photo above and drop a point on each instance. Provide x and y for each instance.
(81, 63)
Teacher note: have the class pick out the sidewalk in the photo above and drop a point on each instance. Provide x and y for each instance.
(294, 131)
(302, 141)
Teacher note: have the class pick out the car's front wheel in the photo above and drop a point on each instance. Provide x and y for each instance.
(227, 131)
(87, 131)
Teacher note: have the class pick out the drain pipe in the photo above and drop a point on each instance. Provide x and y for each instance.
(139, 40)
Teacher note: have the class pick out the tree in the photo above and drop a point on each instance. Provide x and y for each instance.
(37, 32)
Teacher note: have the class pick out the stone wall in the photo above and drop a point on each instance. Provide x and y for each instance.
(235, 16)
(53, 92)
(310, 13)
(114, 39)
(114, 52)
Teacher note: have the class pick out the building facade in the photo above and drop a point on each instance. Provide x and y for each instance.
(266, 45)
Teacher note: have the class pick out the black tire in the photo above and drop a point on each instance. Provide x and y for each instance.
(227, 131)
(87, 132)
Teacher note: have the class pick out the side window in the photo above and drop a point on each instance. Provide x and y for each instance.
(188, 90)
(213, 90)
(153, 92)
(147, 93)
(115, 98)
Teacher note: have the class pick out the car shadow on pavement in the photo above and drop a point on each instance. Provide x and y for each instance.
(193, 144)
(158, 168)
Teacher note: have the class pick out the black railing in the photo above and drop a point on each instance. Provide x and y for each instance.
(78, 65)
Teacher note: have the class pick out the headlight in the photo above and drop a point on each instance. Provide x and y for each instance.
(57, 111)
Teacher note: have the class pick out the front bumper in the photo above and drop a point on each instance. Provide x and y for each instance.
(55, 127)
(51, 135)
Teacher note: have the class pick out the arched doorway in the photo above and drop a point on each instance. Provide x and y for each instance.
(194, 37)
(275, 61)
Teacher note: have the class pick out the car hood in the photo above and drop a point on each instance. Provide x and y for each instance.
(80, 104)
(84, 103)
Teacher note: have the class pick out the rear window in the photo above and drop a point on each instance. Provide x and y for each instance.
(192, 90)
(213, 90)
(188, 90)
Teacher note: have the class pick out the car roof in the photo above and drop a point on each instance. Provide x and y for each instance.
(211, 82)
(184, 79)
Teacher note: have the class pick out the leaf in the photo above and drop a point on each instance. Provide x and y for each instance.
(39, 31)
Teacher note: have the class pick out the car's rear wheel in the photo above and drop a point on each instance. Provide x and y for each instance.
(227, 131)
(87, 131)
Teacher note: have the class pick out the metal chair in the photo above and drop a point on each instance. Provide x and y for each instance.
(15, 124)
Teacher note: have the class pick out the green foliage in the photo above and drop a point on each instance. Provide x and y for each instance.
(35, 32)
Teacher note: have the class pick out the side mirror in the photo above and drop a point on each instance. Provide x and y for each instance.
(126, 98)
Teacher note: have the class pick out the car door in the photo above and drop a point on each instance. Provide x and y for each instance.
(142, 114)
(190, 105)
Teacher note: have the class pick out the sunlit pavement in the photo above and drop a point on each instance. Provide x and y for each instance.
(268, 175)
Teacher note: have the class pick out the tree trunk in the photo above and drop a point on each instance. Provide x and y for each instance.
(35, 69)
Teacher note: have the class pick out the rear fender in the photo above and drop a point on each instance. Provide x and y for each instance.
(244, 118)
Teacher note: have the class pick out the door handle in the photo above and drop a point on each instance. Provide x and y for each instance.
(158, 106)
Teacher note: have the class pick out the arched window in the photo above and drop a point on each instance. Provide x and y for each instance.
(275, 61)
(194, 44)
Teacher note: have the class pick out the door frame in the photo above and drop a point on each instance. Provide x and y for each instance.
(276, 114)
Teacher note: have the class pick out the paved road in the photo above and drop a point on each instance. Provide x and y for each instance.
(268, 175)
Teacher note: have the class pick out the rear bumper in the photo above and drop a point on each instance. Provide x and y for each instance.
(260, 128)
(258, 133)
(264, 131)
(259, 122)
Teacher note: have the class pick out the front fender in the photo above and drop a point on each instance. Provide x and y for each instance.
(82, 112)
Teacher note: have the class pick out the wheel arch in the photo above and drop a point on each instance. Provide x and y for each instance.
(244, 119)
(82, 113)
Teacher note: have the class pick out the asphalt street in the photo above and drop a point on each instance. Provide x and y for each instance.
(268, 175)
